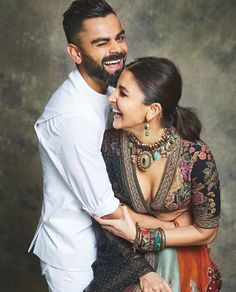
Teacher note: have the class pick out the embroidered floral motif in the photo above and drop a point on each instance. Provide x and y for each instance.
(198, 198)
(192, 183)
(186, 169)
(193, 286)
(190, 179)
(177, 182)
(215, 281)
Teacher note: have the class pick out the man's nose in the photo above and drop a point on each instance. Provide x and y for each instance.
(115, 47)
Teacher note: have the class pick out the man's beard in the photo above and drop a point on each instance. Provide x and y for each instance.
(97, 71)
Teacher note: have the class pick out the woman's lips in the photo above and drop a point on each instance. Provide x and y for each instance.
(117, 113)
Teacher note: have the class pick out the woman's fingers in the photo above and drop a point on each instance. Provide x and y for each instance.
(166, 287)
(103, 221)
(153, 282)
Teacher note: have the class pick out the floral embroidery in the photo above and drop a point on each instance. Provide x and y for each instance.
(198, 198)
(215, 281)
(193, 286)
(202, 155)
(186, 169)
(177, 181)
(198, 185)
(191, 150)
(190, 180)
(193, 184)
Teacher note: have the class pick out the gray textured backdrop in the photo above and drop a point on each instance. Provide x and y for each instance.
(198, 35)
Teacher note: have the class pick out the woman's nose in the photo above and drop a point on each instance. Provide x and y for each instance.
(112, 97)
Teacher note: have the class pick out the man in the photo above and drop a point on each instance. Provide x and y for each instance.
(70, 133)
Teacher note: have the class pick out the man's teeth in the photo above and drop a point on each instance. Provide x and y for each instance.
(112, 62)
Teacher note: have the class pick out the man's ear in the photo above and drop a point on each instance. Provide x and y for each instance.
(155, 110)
(74, 53)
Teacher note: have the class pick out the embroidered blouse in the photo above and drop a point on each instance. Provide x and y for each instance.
(190, 180)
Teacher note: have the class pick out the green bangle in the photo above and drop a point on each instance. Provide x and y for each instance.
(157, 241)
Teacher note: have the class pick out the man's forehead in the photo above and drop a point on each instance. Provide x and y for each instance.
(107, 27)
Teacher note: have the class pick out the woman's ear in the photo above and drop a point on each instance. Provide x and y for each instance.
(74, 53)
(155, 110)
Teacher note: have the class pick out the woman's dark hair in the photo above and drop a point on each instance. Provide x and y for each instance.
(161, 82)
(81, 10)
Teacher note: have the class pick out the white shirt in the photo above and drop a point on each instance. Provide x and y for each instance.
(75, 181)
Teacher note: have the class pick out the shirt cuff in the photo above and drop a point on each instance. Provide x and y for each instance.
(107, 207)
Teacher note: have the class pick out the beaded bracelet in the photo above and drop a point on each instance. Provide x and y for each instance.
(149, 239)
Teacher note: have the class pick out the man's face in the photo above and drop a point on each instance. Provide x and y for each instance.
(103, 48)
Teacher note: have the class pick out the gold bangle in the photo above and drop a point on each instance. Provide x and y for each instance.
(137, 237)
(163, 238)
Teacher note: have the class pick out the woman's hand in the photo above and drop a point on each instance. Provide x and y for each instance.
(153, 282)
(124, 227)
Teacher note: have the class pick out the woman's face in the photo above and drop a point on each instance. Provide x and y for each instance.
(128, 104)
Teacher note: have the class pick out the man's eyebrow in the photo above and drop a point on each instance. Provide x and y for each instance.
(107, 39)
(120, 34)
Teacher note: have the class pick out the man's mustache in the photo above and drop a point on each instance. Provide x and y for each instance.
(114, 57)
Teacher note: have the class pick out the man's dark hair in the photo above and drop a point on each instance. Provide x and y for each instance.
(79, 11)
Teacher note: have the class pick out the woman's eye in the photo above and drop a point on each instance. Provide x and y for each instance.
(122, 93)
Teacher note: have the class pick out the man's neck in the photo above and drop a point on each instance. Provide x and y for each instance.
(95, 84)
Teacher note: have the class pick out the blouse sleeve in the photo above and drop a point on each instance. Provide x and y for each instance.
(205, 188)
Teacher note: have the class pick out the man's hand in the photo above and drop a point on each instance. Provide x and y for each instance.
(152, 282)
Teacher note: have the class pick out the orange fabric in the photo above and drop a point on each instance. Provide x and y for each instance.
(195, 265)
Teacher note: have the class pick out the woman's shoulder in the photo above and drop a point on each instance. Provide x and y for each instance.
(196, 144)
(197, 150)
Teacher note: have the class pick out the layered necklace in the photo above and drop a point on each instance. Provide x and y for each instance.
(146, 154)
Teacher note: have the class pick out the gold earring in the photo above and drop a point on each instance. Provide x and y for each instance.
(146, 129)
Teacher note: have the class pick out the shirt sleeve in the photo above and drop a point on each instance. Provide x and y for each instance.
(205, 188)
(74, 146)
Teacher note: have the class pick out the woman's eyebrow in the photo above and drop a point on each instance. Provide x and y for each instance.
(123, 88)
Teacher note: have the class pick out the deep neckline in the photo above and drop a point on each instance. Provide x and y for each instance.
(132, 183)
(134, 171)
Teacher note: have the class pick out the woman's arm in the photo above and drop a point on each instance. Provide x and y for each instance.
(205, 201)
(147, 221)
(190, 235)
(180, 236)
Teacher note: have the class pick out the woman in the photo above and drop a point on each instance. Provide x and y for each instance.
(158, 165)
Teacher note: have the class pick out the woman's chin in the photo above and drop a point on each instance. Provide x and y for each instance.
(116, 125)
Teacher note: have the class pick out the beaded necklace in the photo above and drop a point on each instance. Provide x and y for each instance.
(145, 154)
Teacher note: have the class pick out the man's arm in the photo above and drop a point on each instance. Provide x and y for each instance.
(117, 214)
(73, 144)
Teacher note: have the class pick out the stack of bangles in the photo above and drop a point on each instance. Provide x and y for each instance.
(149, 239)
